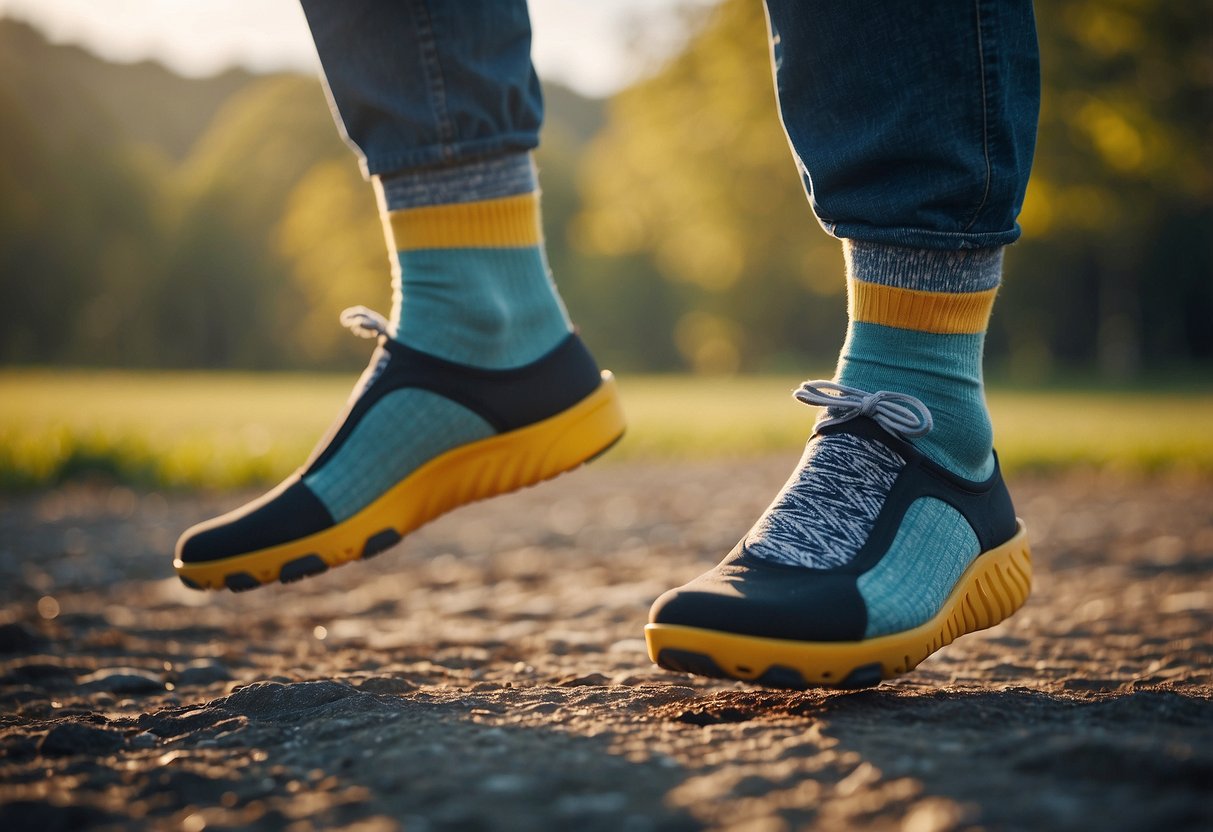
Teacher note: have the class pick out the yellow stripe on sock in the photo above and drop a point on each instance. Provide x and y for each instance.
(509, 222)
(945, 313)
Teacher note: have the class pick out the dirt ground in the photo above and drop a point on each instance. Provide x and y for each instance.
(490, 673)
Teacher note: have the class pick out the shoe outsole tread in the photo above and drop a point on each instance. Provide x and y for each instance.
(994, 586)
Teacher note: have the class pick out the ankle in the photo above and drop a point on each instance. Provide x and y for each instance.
(472, 283)
(962, 435)
(968, 452)
(485, 328)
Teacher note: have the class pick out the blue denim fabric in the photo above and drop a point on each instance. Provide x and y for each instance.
(913, 123)
(419, 83)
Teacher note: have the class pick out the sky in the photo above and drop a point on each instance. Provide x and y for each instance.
(595, 47)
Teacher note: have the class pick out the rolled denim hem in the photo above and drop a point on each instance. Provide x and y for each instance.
(921, 238)
(442, 155)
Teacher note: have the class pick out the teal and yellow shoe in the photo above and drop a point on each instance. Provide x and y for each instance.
(500, 430)
(903, 595)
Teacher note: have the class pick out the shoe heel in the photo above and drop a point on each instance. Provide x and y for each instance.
(590, 429)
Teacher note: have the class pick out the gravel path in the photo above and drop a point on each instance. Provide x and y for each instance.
(489, 674)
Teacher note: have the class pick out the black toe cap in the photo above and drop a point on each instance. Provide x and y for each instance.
(747, 596)
(287, 513)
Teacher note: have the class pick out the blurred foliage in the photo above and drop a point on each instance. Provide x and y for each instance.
(150, 220)
(1116, 266)
(693, 175)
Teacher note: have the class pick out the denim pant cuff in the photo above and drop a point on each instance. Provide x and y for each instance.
(925, 270)
(442, 155)
(921, 237)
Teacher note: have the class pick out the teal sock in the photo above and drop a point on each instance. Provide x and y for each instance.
(472, 282)
(471, 285)
(918, 325)
(944, 372)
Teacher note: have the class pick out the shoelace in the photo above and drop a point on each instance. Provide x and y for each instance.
(899, 413)
(365, 323)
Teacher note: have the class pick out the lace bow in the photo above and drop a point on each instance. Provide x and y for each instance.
(898, 413)
(365, 323)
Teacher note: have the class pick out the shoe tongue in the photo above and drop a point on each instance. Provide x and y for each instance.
(833, 415)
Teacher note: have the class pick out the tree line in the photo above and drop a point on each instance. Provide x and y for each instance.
(152, 221)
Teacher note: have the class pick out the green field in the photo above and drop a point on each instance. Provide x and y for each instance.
(221, 430)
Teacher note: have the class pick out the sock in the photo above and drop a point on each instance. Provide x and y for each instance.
(470, 284)
(917, 326)
(470, 279)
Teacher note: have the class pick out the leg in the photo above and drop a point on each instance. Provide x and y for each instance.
(913, 127)
(417, 83)
(478, 385)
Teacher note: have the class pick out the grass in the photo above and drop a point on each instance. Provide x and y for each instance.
(223, 430)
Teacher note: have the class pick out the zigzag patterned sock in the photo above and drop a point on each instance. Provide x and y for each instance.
(917, 326)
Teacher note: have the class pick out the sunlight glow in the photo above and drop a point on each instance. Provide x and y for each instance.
(596, 48)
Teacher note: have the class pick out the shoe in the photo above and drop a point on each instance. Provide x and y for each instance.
(796, 627)
(549, 417)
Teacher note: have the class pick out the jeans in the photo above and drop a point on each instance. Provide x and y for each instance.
(913, 124)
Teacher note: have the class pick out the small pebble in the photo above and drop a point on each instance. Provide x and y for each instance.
(122, 680)
(145, 740)
(203, 672)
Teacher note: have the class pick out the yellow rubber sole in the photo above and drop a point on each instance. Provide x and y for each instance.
(478, 470)
(994, 586)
